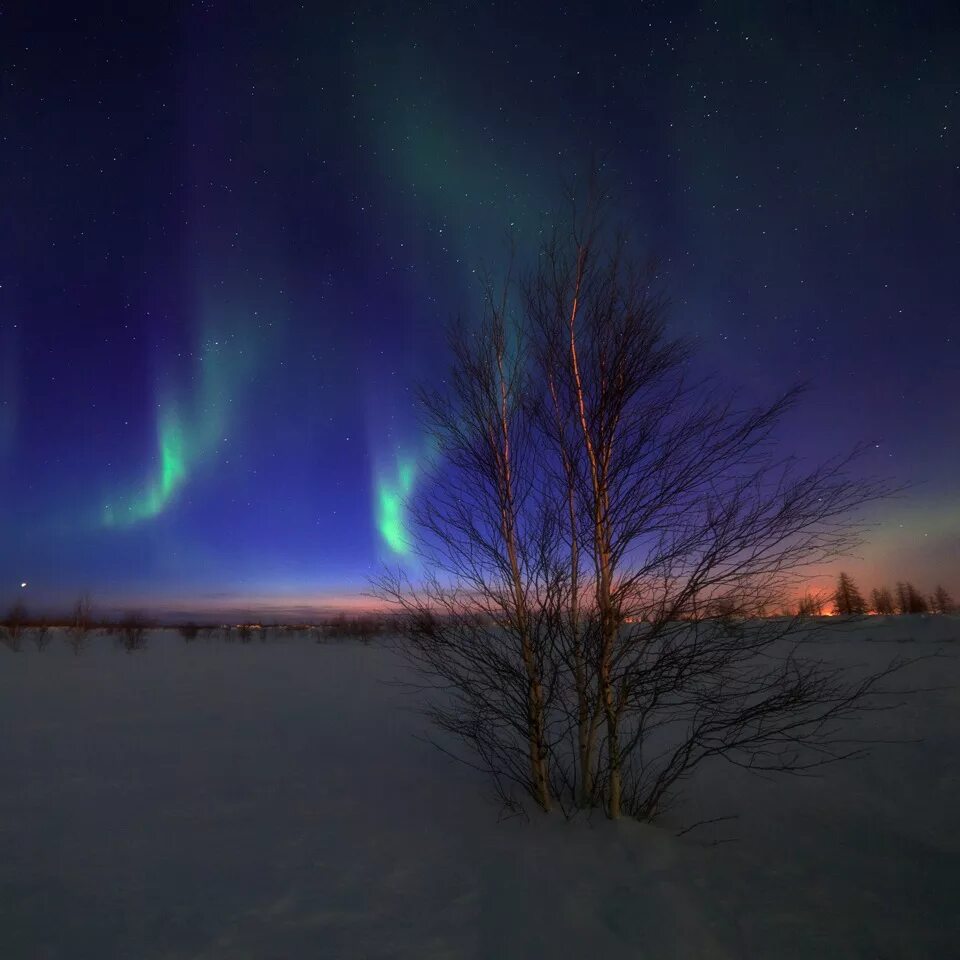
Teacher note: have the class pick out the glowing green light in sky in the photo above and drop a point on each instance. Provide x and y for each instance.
(467, 193)
(160, 489)
(391, 506)
(173, 469)
(191, 425)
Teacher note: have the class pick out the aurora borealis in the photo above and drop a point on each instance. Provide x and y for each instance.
(232, 236)
(190, 429)
(392, 494)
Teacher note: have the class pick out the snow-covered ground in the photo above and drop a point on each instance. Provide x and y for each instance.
(213, 800)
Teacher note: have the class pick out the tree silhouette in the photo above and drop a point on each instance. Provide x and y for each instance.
(13, 626)
(883, 602)
(941, 601)
(599, 535)
(810, 605)
(847, 598)
(909, 599)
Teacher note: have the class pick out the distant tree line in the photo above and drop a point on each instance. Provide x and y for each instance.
(848, 601)
(130, 629)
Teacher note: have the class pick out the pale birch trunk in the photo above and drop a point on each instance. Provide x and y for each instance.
(536, 722)
(587, 709)
(602, 560)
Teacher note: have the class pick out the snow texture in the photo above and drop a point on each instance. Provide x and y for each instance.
(215, 800)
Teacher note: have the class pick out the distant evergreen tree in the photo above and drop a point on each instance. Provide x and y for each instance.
(903, 602)
(941, 601)
(909, 599)
(848, 599)
(883, 602)
(918, 602)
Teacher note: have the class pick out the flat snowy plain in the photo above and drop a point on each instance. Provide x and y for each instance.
(220, 800)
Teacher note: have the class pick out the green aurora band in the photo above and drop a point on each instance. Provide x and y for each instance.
(392, 490)
(465, 192)
(190, 430)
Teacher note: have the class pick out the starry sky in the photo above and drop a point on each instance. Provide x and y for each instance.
(232, 234)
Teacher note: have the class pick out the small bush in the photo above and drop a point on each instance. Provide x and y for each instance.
(12, 627)
(132, 632)
(363, 627)
(41, 636)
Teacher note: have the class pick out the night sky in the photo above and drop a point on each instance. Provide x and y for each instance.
(232, 234)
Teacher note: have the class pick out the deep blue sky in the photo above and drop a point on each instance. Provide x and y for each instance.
(232, 234)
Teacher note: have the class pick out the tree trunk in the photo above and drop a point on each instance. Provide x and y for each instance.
(601, 534)
(609, 627)
(536, 726)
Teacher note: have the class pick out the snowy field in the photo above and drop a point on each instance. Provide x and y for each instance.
(214, 800)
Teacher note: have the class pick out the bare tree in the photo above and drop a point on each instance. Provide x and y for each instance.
(848, 599)
(684, 505)
(13, 626)
(810, 605)
(882, 601)
(80, 624)
(478, 624)
(82, 619)
(600, 537)
(132, 632)
(41, 635)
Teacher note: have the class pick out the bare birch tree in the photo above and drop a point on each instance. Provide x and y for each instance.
(477, 624)
(601, 534)
(685, 507)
